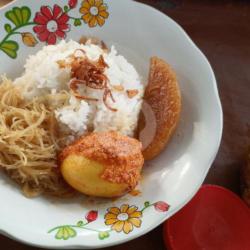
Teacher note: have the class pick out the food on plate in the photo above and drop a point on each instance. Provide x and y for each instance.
(66, 91)
(69, 122)
(162, 94)
(29, 141)
(105, 164)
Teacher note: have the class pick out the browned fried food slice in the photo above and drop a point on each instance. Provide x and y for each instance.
(105, 164)
(163, 97)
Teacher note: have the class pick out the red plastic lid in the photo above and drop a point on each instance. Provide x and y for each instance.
(215, 219)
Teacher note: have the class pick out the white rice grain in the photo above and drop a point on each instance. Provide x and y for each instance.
(43, 75)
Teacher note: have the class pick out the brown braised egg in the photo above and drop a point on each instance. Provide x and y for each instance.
(104, 164)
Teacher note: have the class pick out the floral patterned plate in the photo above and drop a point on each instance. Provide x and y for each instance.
(170, 181)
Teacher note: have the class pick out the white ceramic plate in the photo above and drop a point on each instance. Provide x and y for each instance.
(171, 180)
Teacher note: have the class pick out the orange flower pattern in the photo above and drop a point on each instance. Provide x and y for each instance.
(94, 12)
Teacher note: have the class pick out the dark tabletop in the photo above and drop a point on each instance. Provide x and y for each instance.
(221, 30)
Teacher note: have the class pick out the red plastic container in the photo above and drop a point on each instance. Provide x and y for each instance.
(215, 219)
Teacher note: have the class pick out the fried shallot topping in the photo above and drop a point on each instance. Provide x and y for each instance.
(132, 93)
(119, 88)
(90, 74)
(95, 41)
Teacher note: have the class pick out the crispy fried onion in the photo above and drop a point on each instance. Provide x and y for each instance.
(90, 74)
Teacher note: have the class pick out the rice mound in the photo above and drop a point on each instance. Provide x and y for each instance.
(43, 75)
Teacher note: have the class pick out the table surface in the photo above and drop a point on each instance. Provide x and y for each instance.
(221, 30)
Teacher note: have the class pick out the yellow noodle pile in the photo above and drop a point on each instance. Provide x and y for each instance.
(30, 140)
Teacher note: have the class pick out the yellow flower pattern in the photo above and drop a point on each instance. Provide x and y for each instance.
(94, 12)
(124, 218)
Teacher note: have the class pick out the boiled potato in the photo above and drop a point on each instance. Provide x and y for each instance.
(104, 164)
(85, 176)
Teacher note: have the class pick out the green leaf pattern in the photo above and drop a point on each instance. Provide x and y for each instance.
(77, 22)
(10, 48)
(80, 223)
(103, 235)
(7, 28)
(65, 233)
(19, 16)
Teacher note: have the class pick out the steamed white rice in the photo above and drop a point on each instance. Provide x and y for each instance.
(43, 75)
